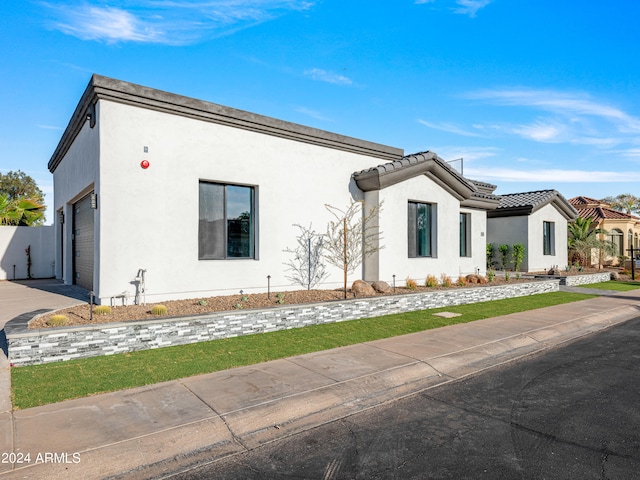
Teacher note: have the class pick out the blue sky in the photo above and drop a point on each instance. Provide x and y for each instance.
(532, 94)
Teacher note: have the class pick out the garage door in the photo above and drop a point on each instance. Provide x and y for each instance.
(83, 243)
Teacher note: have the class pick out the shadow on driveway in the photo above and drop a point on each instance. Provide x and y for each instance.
(52, 285)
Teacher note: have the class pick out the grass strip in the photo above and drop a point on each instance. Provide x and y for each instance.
(616, 285)
(54, 382)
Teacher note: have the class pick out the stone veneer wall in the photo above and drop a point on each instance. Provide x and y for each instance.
(573, 280)
(30, 347)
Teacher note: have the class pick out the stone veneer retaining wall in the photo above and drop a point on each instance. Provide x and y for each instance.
(30, 347)
(573, 280)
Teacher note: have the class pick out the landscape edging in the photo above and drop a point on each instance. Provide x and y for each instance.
(32, 347)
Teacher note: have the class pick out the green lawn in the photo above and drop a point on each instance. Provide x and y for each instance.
(54, 382)
(614, 285)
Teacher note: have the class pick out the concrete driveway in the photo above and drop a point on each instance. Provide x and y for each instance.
(18, 297)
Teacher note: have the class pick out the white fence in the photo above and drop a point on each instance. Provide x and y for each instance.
(14, 242)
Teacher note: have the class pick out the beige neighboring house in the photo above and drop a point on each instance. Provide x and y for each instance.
(623, 229)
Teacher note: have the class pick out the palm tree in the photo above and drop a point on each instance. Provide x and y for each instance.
(583, 239)
(624, 202)
(21, 212)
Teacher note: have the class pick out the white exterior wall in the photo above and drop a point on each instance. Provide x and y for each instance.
(76, 175)
(13, 244)
(394, 257)
(149, 218)
(478, 259)
(537, 260)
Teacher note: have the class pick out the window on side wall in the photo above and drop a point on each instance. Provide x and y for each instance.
(421, 230)
(465, 234)
(548, 238)
(226, 228)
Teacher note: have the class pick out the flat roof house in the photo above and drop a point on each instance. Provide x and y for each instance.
(176, 198)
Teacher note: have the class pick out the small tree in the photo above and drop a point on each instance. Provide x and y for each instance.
(306, 266)
(490, 253)
(351, 237)
(504, 255)
(518, 255)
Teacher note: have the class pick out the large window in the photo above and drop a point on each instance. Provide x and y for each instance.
(226, 227)
(548, 238)
(465, 235)
(615, 237)
(421, 231)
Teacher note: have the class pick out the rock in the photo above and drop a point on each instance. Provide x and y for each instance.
(362, 289)
(614, 276)
(552, 271)
(381, 287)
(472, 279)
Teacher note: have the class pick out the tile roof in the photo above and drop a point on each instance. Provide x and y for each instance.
(577, 201)
(528, 202)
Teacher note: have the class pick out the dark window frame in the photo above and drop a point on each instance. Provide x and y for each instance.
(221, 237)
(548, 238)
(465, 234)
(422, 238)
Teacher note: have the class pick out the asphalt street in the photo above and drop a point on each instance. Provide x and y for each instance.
(571, 412)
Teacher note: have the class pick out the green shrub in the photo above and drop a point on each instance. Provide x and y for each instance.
(202, 302)
(57, 320)
(280, 298)
(491, 274)
(158, 310)
(431, 281)
(411, 284)
(102, 310)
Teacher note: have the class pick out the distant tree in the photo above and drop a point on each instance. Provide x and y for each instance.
(23, 200)
(624, 202)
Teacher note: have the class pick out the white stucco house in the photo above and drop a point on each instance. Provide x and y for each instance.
(538, 220)
(196, 199)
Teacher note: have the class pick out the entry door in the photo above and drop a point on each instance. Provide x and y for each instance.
(83, 243)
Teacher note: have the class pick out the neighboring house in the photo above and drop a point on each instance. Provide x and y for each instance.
(538, 220)
(184, 198)
(623, 229)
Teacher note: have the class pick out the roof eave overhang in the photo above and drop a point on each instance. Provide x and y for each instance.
(481, 203)
(433, 167)
(104, 88)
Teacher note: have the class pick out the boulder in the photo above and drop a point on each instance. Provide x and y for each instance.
(472, 279)
(614, 276)
(381, 287)
(362, 289)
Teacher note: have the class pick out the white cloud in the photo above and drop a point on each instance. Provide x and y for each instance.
(329, 77)
(166, 22)
(449, 128)
(566, 104)
(470, 7)
(551, 175)
(540, 132)
(312, 113)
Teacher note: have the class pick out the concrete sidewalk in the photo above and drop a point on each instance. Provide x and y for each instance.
(153, 431)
